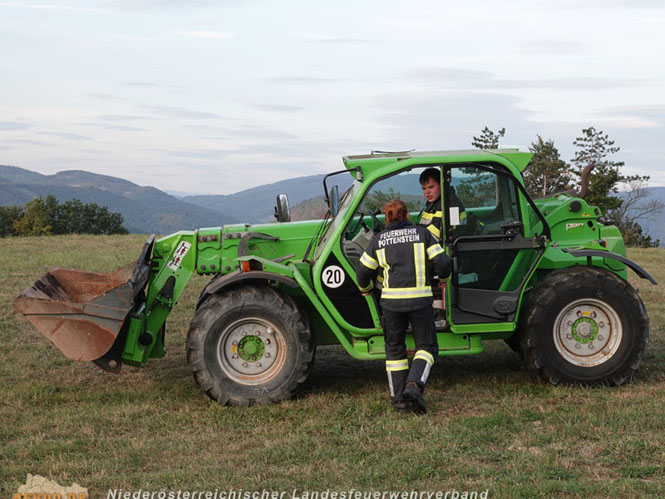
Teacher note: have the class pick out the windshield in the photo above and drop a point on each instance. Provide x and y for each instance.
(344, 203)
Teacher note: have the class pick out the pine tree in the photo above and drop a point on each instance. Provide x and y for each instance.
(488, 139)
(547, 173)
(594, 147)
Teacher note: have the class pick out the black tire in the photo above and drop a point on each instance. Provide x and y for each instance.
(584, 325)
(515, 343)
(250, 344)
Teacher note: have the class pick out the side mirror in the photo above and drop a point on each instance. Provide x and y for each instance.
(282, 211)
(334, 201)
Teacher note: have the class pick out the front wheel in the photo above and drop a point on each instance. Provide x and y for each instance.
(584, 325)
(250, 344)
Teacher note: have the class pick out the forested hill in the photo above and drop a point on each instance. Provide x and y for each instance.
(147, 209)
(144, 209)
(257, 203)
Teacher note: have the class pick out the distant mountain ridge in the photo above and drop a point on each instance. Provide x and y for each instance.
(147, 209)
(144, 209)
(257, 203)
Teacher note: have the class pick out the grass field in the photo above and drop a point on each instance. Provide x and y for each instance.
(488, 425)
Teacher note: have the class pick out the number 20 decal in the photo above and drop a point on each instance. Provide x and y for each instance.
(333, 276)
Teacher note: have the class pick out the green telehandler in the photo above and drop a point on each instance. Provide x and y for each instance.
(545, 275)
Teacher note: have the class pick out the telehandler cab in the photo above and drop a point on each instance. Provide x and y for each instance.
(546, 275)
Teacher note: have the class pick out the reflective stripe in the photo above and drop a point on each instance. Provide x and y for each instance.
(381, 255)
(419, 262)
(398, 293)
(423, 378)
(434, 250)
(434, 230)
(430, 216)
(424, 355)
(397, 365)
(369, 262)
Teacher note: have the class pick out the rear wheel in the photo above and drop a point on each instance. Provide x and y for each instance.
(249, 345)
(584, 325)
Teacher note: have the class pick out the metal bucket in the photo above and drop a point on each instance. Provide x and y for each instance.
(80, 312)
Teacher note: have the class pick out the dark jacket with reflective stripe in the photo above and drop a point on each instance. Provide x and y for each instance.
(431, 218)
(408, 256)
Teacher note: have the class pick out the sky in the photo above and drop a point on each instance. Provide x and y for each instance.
(206, 96)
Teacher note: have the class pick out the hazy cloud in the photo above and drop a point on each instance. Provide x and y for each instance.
(299, 80)
(34, 6)
(553, 47)
(141, 84)
(258, 132)
(278, 108)
(444, 120)
(632, 116)
(199, 153)
(122, 117)
(13, 125)
(105, 97)
(160, 4)
(319, 38)
(30, 142)
(204, 34)
(483, 80)
(64, 135)
(180, 112)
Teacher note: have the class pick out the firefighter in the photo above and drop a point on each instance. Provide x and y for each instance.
(432, 216)
(408, 255)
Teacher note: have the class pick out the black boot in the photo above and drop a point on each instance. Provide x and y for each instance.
(396, 382)
(413, 393)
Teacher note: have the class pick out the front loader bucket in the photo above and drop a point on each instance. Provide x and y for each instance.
(80, 312)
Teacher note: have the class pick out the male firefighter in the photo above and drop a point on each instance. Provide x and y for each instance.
(409, 256)
(432, 216)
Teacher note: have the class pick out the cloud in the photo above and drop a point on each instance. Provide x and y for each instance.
(141, 84)
(319, 38)
(180, 112)
(105, 97)
(258, 132)
(279, 108)
(63, 135)
(122, 117)
(193, 153)
(445, 119)
(205, 34)
(33, 6)
(299, 80)
(30, 142)
(13, 125)
(482, 80)
(553, 47)
(165, 4)
(632, 116)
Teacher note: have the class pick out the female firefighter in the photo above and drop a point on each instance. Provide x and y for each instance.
(408, 256)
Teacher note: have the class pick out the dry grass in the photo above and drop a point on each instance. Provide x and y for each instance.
(488, 425)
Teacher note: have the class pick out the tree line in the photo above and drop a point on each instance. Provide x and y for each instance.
(44, 217)
(548, 174)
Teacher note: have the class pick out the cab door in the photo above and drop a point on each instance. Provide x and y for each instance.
(495, 237)
(337, 278)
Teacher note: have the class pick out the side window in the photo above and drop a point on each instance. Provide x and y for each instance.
(480, 201)
(367, 220)
(489, 200)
